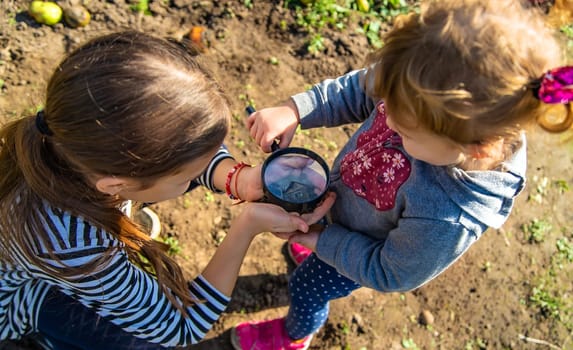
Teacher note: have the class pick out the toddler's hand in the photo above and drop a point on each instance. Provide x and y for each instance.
(308, 239)
(273, 123)
(264, 217)
(310, 219)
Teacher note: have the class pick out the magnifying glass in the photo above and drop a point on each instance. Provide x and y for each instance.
(294, 178)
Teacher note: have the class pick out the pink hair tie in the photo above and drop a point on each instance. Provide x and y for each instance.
(556, 86)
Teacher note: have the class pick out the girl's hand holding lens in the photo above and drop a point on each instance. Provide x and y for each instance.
(264, 217)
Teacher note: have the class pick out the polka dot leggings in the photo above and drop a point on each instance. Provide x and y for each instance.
(313, 284)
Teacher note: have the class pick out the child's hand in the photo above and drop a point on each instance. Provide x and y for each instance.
(308, 239)
(273, 123)
(310, 219)
(264, 217)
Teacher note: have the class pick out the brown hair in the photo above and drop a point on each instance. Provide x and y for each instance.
(125, 104)
(463, 68)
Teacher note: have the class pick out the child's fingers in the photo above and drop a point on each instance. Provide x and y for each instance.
(298, 222)
(262, 137)
(265, 217)
(250, 121)
(321, 210)
(283, 235)
(308, 240)
(290, 223)
(284, 142)
(253, 131)
(260, 133)
(266, 142)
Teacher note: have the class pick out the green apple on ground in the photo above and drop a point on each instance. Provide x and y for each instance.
(45, 12)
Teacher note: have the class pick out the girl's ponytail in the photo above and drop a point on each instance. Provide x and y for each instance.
(22, 162)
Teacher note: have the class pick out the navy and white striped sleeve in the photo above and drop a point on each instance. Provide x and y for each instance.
(120, 291)
(206, 179)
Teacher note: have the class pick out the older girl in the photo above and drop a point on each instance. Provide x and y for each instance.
(127, 117)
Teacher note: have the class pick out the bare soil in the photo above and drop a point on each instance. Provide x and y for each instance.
(481, 302)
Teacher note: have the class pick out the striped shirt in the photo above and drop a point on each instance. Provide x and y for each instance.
(117, 290)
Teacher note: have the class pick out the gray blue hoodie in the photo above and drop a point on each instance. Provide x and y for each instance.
(399, 222)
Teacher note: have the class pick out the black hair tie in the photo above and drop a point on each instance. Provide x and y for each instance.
(41, 124)
(534, 86)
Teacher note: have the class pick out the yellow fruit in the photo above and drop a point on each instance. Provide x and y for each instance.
(363, 5)
(77, 16)
(45, 12)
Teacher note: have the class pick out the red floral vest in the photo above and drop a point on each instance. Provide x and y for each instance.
(376, 168)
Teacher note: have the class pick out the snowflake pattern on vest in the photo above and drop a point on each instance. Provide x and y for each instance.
(376, 169)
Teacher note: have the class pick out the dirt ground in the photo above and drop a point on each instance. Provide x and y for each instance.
(482, 302)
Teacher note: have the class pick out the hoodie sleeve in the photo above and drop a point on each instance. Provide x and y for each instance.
(415, 252)
(335, 102)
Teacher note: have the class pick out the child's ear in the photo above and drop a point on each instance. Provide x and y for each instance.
(110, 184)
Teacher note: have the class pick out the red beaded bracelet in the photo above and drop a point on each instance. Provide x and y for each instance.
(234, 170)
(237, 178)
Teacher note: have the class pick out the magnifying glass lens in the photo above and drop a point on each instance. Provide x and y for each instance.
(295, 178)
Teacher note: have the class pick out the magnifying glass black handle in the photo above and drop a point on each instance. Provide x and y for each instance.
(250, 110)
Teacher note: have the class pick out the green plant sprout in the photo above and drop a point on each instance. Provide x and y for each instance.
(409, 344)
(388, 9)
(141, 6)
(551, 293)
(248, 101)
(186, 201)
(240, 144)
(475, 342)
(548, 304)
(320, 13)
(541, 187)
(173, 243)
(209, 198)
(344, 327)
(369, 15)
(372, 32)
(564, 250)
(315, 44)
(536, 230)
(561, 185)
(568, 33)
